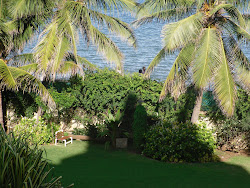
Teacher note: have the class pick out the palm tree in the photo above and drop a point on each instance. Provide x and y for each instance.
(60, 22)
(207, 37)
(56, 51)
(14, 34)
(13, 78)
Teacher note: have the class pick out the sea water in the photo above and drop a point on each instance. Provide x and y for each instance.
(149, 43)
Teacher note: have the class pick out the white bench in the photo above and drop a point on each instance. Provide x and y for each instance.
(60, 137)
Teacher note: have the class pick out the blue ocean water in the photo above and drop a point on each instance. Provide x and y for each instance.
(149, 43)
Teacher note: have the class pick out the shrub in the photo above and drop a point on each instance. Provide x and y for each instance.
(232, 133)
(139, 126)
(107, 89)
(91, 130)
(23, 166)
(112, 122)
(22, 103)
(183, 142)
(34, 132)
(79, 131)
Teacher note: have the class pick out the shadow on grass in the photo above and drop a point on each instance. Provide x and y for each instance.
(88, 165)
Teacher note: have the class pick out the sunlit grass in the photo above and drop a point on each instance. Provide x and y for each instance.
(57, 153)
(241, 161)
(89, 165)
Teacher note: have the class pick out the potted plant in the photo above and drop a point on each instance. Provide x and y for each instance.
(113, 121)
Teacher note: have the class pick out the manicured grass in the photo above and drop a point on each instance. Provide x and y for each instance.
(88, 165)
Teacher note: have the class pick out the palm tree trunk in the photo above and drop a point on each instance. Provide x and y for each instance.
(1, 111)
(40, 110)
(197, 107)
(39, 113)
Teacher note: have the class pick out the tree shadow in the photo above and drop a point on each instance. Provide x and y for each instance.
(128, 115)
(93, 166)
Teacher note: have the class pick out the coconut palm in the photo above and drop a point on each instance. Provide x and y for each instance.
(14, 34)
(56, 51)
(60, 22)
(207, 35)
(13, 78)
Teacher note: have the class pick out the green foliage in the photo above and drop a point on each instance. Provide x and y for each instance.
(113, 121)
(79, 131)
(232, 134)
(183, 142)
(94, 131)
(206, 41)
(87, 100)
(34, 132)
(22, 103)
(22, 165)
(109, 90)
(139, 126)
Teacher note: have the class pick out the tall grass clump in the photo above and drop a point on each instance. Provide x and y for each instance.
(22, 165)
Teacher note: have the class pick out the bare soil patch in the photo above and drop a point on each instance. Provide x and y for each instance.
(226, 155)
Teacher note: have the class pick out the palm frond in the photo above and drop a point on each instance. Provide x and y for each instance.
(27, 16)
(178, 34)
(70, 67)
(244, 77)
(236, 30)
(152, 6)
(235, 52)
(86, 64)
(44, 50)
(14, 78)
(6, 77)
(79, 13)
(115, 25)
(81, 61)
(241, 64)
(232, 11)
(29, 83)
(67, 28)
(224, 86)
(107, 47)
(175, 82)
(31, 68)
(109, 5)
(60, 52)
(155, 62)
(207, 57)
(21, 60)
(163, 15)
(25, 8)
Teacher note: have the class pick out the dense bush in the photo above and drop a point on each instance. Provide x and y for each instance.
(232, 133)
(22, 104)
(88, 130)
(183, 142)
(139, 126)
(35, 132)
(23, 166)
(107, 89)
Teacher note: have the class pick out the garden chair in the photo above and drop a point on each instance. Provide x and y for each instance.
(60, 137)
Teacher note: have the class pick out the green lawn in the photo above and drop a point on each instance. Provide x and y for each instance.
(88, 165)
